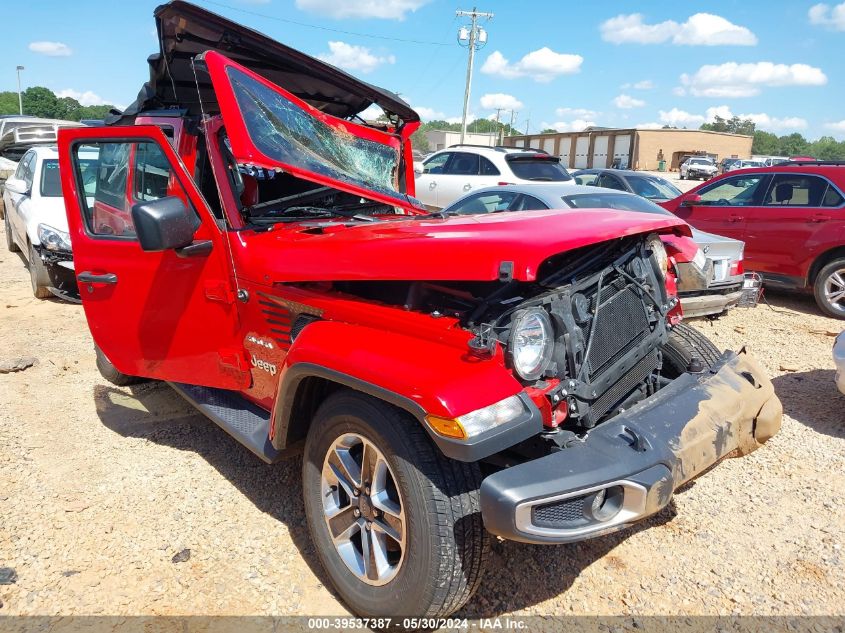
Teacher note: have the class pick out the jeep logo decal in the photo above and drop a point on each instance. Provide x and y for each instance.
(263, 364)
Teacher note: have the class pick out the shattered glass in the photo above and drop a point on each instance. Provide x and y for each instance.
(285, 132)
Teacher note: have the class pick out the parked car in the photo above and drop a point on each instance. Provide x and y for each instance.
(36, 222)
(448, 174)
(774, 160)
(725, 164)
(18, 134)
(745, 164)
(525, 374)
(839, 360)
(791, 218)
(710, 275)
(642, 184)
(697, 167)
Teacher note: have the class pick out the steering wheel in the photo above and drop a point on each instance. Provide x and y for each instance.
(723, 202)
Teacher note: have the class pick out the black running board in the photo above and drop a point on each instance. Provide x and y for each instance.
(240, 418)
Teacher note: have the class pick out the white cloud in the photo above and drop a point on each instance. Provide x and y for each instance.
(646, 84)
(456, 119)
(701, 29)
(680, 118)
(626, 102)
(827, 16)
(581, 113)
(745, 80)
(371, 113)
(354, 58)
(679, 91)
(649, 126)
(838, 126)
(383, 9)
(51, 49)
(87, 98)
(499, 100)
(541, 65)
(576, 125)
(428, 114)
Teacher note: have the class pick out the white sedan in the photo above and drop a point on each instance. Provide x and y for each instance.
(36, 223)
(839, 361)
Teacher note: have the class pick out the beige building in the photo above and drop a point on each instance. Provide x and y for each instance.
(441, 139)
(634, 148)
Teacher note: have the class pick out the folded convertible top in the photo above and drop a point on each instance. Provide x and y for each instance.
(186, 30)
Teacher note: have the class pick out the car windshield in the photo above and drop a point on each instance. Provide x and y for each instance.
(546, 169)
(285, 132)
(700, 161)
(621, 201)
(653, 188)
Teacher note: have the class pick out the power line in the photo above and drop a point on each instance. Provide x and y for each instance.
(323, 28)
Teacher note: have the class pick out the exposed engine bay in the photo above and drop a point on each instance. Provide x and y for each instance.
(591, 327)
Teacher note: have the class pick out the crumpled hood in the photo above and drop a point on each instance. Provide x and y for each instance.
(468, 248)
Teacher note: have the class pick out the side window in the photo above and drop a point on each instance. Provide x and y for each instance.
(832, 198)
(611, 182)
(114, 176)
(463, 164)
(20, 172)
(735, 192)
(488, 168)
(586, 179)
(435, 164)
(529, 203)
(795, 190)
(489, 202)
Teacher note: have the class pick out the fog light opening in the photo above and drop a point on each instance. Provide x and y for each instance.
(604, 504)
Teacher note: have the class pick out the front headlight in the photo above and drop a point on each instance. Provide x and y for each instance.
(658, 253)
(53, 239)
(477, 422)
(531, 343)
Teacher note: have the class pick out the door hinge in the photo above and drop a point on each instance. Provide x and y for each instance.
(218, 290)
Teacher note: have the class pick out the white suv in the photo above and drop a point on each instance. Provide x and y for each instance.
(703, 168)
(452, 172)
(36, 223)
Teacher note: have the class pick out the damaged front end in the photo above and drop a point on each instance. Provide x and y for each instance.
(629, 467)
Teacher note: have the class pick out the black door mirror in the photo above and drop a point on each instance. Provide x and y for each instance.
(164, 224)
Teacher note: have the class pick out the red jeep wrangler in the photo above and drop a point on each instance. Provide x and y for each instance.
(242, 238)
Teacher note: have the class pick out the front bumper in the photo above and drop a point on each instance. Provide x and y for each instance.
(709, 304)
(639, 458)
(696, 173)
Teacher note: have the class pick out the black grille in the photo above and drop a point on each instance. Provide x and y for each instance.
(621, 324)
(279, 320)
(568, 513)
(613, 396)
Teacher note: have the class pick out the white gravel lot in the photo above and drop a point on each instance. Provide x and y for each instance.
(102, 489)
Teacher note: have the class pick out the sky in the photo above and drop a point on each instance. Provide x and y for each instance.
(556, 64)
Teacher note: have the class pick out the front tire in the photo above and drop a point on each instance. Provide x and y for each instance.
(829, 289)
(10, 240)
(110, 372)
(396, 525)
(684, 345)
(38, 275)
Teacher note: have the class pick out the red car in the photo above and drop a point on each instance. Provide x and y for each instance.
(525, 375)
(791, 217)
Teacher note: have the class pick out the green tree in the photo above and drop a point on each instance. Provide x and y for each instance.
(548, 130)
(41, 102)
(792, 145)
(8, 102)
(734, 125)
(764, 143)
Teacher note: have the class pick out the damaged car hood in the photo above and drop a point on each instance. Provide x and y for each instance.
(464, 248)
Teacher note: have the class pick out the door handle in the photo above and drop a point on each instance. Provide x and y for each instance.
(467, 187)
(90, 278)
(432, 185)
(820, 218)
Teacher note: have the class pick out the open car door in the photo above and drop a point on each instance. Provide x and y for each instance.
(167, 313)
(269, 127)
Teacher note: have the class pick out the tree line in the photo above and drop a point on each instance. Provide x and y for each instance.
(43, 102)
(769, 144)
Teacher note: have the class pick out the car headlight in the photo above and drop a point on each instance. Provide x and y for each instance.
(478, 421)
(531, 343)
(658, 253)
(53, 239)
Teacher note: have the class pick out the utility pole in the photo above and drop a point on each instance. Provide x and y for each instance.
(527, 121)
(475, 38)
(20, 97)
(510, 127)
(498, 130)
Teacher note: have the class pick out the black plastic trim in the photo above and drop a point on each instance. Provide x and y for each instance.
(484, 445)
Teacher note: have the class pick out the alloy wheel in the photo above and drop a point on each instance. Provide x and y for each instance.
(834, 289)
(363, 509)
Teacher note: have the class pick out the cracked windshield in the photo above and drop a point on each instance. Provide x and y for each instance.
(284, 132)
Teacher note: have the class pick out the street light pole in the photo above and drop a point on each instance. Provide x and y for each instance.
(20, 97)
(476, 38)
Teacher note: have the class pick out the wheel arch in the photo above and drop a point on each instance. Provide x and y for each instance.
(823, 260)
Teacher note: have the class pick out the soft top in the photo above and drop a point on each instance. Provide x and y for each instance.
(186, 30)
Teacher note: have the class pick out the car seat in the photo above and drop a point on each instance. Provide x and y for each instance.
(783, 193)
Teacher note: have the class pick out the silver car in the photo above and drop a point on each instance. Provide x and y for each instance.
(839, 360)
(717, 288)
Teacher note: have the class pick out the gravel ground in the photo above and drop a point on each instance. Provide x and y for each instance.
(124, 501)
